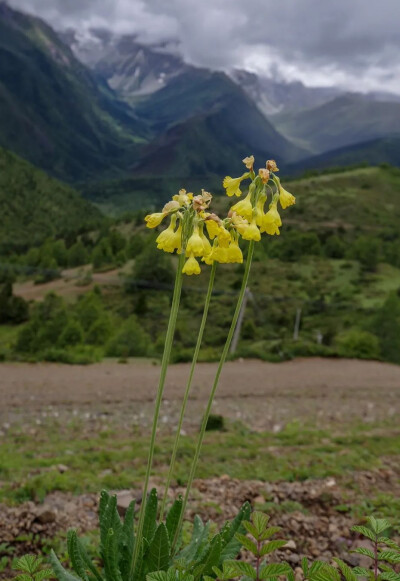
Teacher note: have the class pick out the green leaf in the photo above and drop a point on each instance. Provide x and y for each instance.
(268, 533)
(378, 525)
(242, 568)
(325, 573)
(150, 516)
(212, 557)
(23, 577)
(79, 557)
(274, 570)
(230, 544)
(59, 571)
(157, 576)
(43, 574)
(271, 547)
(260, 521)
(173, 517)
(250, 528)
(361, 571)
(197, 542)
(315, 567)
(158, 554)
(304, 566)
(247, 543)
(28, 563)
(346, 570)
(127, 541)
(390, 556)
(111, 557)
(390, 576)
(366, 532)
(364, 551)
(389, 542)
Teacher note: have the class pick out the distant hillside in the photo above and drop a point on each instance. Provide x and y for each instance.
(52, 111)
(344, 121)
(376, 151)
(35, 206)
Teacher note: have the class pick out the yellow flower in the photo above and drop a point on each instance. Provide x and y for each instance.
(220, 254)
(195, 245)
(206, 243)
(191, 266)
(224, 237)
(286, 198)
(260, 209)
(183, 198)
(212, 228)
(232, 185)
(239, 223)
(171, 206)
(153, 220)
(249, 162)
(272, 221)
(252, 232)
(234, 252)
(169, 240)
(244, 208)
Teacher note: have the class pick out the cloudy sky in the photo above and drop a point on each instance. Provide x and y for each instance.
(351, 43)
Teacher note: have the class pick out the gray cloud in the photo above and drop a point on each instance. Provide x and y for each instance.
(352, 43)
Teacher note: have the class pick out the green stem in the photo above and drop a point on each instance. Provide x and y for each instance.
(188, 387)
(164, 365)
(215, 385)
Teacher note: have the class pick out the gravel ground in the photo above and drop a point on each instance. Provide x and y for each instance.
(266, 394)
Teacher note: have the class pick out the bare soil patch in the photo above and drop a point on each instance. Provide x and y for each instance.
(263, 395)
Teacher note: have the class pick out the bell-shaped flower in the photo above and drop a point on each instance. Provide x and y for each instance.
(286, 198)
(191, 266)
(244, 207)
(232, 185)
(252, 232)
(195, 245)
(272, 221)
(234, 252)
(154, 220)
(260, 209)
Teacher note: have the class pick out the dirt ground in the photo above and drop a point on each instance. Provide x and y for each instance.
(266, 394)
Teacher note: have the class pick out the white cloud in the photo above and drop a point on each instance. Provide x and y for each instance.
(353, 43)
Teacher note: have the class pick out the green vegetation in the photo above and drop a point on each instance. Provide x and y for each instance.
(295, 453)
(36, 207)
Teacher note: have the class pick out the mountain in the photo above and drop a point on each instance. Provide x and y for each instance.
(130, 68)
(272, 96)
(344, 121)
(53, 111)
(35, 206)
(384, 150)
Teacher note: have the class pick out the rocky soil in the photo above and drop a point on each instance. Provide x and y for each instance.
(315, 528)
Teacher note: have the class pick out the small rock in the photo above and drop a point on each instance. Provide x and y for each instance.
(291, 545)
(45, 515)
(259, 499)
(124, 498)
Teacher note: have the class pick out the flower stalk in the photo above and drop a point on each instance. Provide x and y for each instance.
(163, 373)
(215, 385)
(188, 387)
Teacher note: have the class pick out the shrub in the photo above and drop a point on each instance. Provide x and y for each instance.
(358, 344)
(130, 341)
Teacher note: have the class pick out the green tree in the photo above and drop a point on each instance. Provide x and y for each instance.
(130, 341)
(77, 255)
(334, 247)
(386, 326)
(367, 251)
(358, 344)
(102, 254)
(135, 245)
(100, 331)
(71, 335)
(152, 266)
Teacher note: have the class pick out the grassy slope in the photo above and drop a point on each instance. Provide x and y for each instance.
(35, 206)
(52, 111)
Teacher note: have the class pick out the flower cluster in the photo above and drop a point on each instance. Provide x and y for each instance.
(200, 234)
